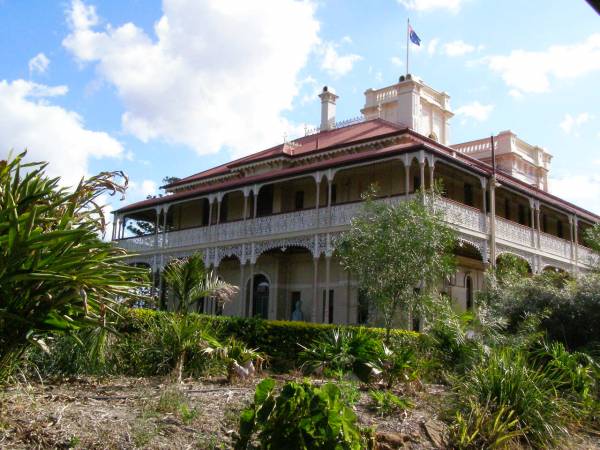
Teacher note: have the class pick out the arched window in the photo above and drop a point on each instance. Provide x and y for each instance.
(469, 288)
(260, 297)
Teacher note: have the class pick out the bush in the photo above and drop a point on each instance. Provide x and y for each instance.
(146, 344)
(505, 389)
(278, 340)
(386, 403)
(302, 416)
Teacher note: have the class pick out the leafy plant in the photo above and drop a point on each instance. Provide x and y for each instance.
(505, 381)
(176, 342)
(386, 403)
(395, 365)
(301, 416)
(484, 426)
(341, 351)
(190, 282)
(56, 274)
(391, 249)
(238, 358)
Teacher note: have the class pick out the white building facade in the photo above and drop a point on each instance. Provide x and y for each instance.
(269, 222)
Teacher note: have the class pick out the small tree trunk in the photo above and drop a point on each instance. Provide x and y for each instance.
(179, 366)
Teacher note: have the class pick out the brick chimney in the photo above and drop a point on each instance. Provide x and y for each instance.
(328, 99)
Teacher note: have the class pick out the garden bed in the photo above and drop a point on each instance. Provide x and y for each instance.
(136, 413)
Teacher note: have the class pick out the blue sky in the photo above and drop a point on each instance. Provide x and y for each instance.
(174, 87)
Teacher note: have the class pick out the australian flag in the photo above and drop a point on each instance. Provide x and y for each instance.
(413, 36)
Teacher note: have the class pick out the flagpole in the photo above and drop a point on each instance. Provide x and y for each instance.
(407, 44)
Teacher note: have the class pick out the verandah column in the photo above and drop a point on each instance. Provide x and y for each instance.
(315, 288)
(327, 287)
(242, 290)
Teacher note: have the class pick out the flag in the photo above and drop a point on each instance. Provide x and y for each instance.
(413, 36)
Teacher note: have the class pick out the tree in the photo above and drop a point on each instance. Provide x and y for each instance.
(399, 253)
(56, 273)
(190, 282)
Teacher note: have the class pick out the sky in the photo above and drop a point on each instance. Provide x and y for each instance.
(173, 87)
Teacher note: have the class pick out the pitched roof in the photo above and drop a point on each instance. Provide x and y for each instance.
(302, 146)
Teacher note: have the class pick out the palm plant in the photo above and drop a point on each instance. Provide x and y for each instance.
(189, 281)
(238, 357)
(56, 274)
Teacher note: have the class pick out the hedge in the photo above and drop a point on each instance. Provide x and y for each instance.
(277, 339)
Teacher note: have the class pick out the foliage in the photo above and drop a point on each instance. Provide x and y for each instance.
(386, 403)
(190, 282)
(302, 416)
(568, 310)
(341, 351)
(591, 237)
(505, 388)
(278, 340)
(55, 271)
(395, 250)
(238, 358)
(575, 375)
(483, 426)
(174, 339)
(395, 365)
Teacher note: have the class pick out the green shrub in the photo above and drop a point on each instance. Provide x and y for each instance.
(386, 403)
(505, 381)
(300, 417)
(484, 426)
(278, 340)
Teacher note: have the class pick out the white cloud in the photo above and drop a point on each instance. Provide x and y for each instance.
(475, 111)
(395, 60)
(346, 40)
(213, 74)
(334, 64)
(532, 71)
(458, 48)
(432, 46)
(430, 5)
(572, 124)
(38, 64)
(49, 132)
(139, 191)
(582, 190)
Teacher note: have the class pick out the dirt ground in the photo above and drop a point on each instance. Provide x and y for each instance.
(150, 413)
(128, 413)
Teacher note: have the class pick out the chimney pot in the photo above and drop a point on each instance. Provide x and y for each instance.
(328, 99)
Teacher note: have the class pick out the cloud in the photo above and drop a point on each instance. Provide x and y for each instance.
(572, 124)
(582, 190)
(49, 132)
(212, 74)
(38, 64)
(432, 46)
(533, 71)
(395, 60)
(475, 111)
(334, 64)
(430, 5)
(139, 191)
(457, 48)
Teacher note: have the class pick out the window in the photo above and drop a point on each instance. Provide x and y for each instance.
(544, 223)
(559, 229)
(264, 205)
(468, 191)
(363, 308)
(333, 194)
(416, 183)
(522, 215)
(469, 288)
(299, 200)
(224, 208)
(296, 297)
(205, 212)
(507, 208)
